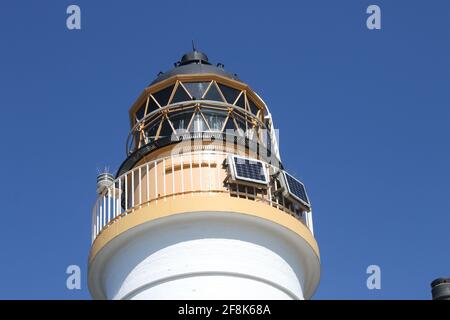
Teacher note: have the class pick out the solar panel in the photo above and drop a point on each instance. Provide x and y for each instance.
(248, 170)
(296, 189)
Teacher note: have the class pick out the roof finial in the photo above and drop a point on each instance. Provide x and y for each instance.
(193, 46)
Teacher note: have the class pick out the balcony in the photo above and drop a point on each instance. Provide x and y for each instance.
(202, 173)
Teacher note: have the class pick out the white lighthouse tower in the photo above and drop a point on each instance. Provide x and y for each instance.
(202, 207)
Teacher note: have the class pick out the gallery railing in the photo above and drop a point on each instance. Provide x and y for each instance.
(180, 175)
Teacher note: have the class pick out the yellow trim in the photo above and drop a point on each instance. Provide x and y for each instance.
(198, 203)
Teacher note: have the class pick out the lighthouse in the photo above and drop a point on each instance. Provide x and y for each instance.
(202, 206)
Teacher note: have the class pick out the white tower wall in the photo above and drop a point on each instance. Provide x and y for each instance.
(206, 255)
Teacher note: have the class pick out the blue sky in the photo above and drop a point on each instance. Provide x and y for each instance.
(371, 110)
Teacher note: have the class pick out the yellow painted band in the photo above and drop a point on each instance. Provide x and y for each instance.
(215, 202)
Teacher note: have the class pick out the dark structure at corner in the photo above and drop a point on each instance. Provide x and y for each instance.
(440, 289)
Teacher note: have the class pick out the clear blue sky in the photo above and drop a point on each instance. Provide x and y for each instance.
(364, 119)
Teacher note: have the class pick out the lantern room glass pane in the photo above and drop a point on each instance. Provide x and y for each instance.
(141, 112)
(215, 118)
(196, 89)
(230, 125)
(253, 108)
(166, 130)
(213, 94)
(163, 95)
(152, 130)
(241, 101)
(198, 124)
(180, 95)
(152, 106)
(241, 124)
(180, 120)
(229, 93)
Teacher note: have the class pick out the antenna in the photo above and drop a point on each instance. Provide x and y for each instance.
(193, 46)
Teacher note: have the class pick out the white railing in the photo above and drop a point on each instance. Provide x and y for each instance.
(154, 181)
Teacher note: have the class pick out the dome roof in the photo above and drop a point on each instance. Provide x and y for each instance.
(194, 62)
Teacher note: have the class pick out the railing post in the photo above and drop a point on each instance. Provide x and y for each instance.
(126, 192)
(104, 210)
(209, 172)
(132, 189)
(93, 225)
(173, 176)
(101, 217)
(309, 221)
(120, 198)
(182, 175)
(147, 174)
(218, 171)
(156, 181)
(109, 204)
(114, 199)
(200, 170)
(191, 175)
(140, 186)
(164, 177)
(97, 220)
